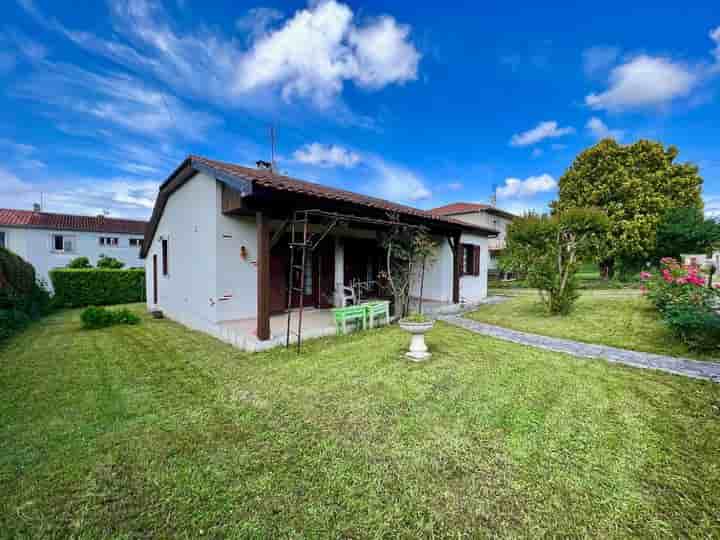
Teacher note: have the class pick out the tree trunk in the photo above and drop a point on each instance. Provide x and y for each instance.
(607, 269)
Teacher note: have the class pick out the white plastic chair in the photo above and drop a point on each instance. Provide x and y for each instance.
(348, 295)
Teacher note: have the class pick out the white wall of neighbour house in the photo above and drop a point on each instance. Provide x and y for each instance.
(485, 219)
(188, 294)
(36, 246)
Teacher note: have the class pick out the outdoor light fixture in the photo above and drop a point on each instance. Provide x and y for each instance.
(243, 253)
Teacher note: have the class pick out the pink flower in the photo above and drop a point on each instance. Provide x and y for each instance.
(645, 275)
(643, 289)
(667, 276)
(681, 281)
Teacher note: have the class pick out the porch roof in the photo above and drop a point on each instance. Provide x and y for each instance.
(248, 181)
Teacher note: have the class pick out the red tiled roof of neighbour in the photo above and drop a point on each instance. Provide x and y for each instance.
(69, 222)
(467, 208)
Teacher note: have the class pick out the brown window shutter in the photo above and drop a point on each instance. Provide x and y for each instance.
(476, 260)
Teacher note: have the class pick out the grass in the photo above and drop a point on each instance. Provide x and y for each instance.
(627, 321)
(157, 431)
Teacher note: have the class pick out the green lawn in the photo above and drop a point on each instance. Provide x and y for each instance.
(157, 432)
(612, 318)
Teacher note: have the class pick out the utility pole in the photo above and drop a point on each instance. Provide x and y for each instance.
(493, 197)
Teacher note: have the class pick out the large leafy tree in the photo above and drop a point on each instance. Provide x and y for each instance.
(548, 251)
(686, 230)
(635, 185)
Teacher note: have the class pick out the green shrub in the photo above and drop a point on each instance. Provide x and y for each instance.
(99, 317)
(80, 262)
(97, 287)
(22, 298)
(110, 263)
(699, 329)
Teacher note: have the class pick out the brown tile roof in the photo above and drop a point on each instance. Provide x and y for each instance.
(265, 177)
(467, 208)
(268, 179)
(69, 222)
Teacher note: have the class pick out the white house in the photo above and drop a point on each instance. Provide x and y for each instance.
(217, 251)
(483, 215)
(50, 241)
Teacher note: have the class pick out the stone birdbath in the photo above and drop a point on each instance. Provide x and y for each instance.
(417, 326)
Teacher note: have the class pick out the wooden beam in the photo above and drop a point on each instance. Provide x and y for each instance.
(263, 276)
(457, 258)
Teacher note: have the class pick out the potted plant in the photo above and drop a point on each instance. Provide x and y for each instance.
(417, 325)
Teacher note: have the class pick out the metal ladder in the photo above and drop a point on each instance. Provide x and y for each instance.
(303, 244)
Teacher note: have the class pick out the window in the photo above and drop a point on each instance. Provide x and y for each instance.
(63, 244)
(164, 256)
(470, 260)
(2, 239)
(136, 242)
(109, 241)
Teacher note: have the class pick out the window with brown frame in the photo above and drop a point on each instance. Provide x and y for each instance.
(470, 260)
(165, 257)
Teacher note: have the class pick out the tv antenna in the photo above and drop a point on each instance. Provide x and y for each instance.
(493, 197)
(273, 142)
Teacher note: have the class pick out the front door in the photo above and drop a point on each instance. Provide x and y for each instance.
(280, 273)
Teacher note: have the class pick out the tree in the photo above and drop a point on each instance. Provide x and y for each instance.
(548, 250)
(408, 251)
(80, 262)
(635, 185)
(686, 230)
(110, 263)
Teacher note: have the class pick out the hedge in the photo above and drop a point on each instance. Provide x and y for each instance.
(97, 287)
(22, 299)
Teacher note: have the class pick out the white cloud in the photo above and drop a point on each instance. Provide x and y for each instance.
(600, 130)
(310, 56)
(326, 155)
(397, 183)
(258, 21)
(116, 99)
(645, 81)
(712, 206)
(597, 60)
(715, 36)
(11, 185)
(544, 130)
(515, 188)
(454, 186)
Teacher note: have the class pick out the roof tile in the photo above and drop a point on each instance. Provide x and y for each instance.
(69, 222)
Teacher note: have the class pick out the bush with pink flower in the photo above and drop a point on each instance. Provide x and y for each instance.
(687, 304)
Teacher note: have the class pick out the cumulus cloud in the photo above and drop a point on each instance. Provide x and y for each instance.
(396, 183)
(311, 55)
(455, 186)
(600, 130)
(715, 36)
(645, 81)
(544, 130)
(326, 155)
(597, 60)
(515, 188)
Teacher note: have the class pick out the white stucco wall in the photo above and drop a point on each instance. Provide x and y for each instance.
(36, 247)
(473, 288)
(236, 277)
(188, 294)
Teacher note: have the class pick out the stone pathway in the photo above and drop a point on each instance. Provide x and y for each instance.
(678, 366)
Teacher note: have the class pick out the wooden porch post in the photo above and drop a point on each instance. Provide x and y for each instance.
(457, 256)
(263, 276)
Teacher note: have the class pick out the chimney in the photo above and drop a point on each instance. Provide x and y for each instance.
(37, 208)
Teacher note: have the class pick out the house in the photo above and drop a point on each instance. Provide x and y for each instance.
(699, 260)
(483, 215)
(50, 241)
(218, 252)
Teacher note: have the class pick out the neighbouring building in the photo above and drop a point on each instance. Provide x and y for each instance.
(218, 251)
(48, 240)
(483, 215)
(701, 259)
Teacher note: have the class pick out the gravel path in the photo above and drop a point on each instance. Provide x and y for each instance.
(678, 366)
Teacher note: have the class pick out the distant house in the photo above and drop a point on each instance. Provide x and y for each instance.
(700, 259)
(483, 215)
(50, 241)
(218, 251)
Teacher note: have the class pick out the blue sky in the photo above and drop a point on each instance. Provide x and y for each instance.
(423, 103)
